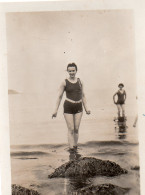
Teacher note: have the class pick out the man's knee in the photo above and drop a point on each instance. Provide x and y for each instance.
(118, 109)
(76, 131)
(71, 130)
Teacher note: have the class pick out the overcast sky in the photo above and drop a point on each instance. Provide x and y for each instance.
(41, 44)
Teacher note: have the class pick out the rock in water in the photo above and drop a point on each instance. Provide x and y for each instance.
(18, 190)
(87, 167)
(103, 189)
(135, 168)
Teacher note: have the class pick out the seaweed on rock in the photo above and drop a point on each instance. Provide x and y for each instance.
(88, 167)
(102, 189)
(19, 190)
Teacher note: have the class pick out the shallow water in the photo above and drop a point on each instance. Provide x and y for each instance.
(32, 163)
(31, 169)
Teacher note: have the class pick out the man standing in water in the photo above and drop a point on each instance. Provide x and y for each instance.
(73, 105)
(121, 100)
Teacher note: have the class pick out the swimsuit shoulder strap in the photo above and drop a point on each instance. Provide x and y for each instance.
(65, 84)
(80, 82)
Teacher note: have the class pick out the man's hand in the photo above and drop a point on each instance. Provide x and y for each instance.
(54, 114)
(88, 112)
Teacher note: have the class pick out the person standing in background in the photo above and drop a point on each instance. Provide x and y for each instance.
(121, 94)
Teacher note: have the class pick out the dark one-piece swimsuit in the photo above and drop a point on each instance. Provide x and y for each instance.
(121, 99)
(73, 93)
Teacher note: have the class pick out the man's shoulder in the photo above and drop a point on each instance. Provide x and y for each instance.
(63, 83)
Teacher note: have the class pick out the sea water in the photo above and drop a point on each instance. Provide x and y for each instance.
(40, 148)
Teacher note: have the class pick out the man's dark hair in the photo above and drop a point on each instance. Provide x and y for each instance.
(72, 65)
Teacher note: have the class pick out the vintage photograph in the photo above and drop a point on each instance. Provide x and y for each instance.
(73, 102)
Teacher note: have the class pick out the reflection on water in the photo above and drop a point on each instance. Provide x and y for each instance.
(74, 155)
(71, 185)
(121, 127)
